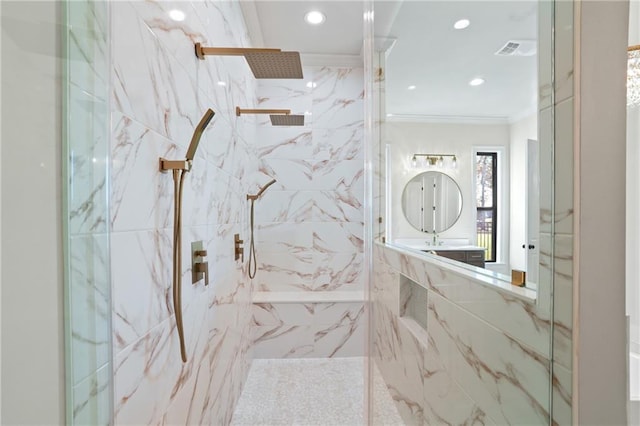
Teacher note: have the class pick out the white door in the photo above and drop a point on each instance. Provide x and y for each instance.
(531, 244)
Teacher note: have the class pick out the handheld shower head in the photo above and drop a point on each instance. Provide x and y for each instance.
(264, 188)
(197, 133)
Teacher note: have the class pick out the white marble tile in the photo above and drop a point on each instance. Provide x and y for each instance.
(285, 271)
(285, 143)
(337, 271)
(141, 283)
(283, 341)
(339, 144)
(285, 206)
(340, 341)
(562, 389)
(292, 94)
(177, 39)
(546, 142)
(88, 166)
(403, 376)
(141, 195)
(92, 398)
(285, 237)
(563, 158)
(144, 376)
(226, 199)
(339, 175)
(275, 314)
(563, 50)
(228, 151)
(563, 300)
(227, 284)
(509, 381)
(338, 99)
(90, 305)
(444, 400)
(339, 206)
(87, 50)
(338, 237)
(149, 85)
(291, 175)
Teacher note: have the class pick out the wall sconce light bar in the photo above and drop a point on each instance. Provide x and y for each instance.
(435, 159)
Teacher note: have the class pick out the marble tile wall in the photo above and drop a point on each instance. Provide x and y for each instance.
(86, 147)
(159, 92)
(469, 364)
(309, 225)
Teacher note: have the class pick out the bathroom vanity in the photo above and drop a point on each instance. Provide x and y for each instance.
(471, 255)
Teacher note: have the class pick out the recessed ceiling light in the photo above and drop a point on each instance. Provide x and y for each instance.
(177, 15)
(222, 83)
(476, 82)
(311, 84)
(461, 24)
(412, 87)
(314, 17)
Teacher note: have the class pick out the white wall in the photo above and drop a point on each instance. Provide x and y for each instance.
(519, 132)
(407, 139)
(633, 198)
(32, 309)
(599, 328)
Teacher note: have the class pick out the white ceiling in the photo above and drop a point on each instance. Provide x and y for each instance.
(428, 52)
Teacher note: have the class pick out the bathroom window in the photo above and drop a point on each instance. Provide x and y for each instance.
(487, 203)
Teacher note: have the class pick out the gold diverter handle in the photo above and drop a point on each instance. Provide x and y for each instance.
(180, 168)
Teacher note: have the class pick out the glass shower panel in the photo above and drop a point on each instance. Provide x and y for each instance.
(86, 237)
(483, 351)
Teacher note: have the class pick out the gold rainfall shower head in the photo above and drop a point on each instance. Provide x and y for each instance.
(279, 117)
(264, 63)
(287, 120)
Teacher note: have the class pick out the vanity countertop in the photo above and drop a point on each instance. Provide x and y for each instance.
(445, 245)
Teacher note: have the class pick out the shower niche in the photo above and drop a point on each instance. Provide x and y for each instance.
(413, 301)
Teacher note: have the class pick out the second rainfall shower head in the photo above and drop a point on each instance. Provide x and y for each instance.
(287, 120)
(279, 117)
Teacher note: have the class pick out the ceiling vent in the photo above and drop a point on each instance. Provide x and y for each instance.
(518, 48)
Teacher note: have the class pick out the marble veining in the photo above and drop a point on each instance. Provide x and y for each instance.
(468, 364)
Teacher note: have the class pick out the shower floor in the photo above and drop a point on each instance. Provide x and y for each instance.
(314, 391)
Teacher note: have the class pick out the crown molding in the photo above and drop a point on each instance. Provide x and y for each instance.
(445, 119)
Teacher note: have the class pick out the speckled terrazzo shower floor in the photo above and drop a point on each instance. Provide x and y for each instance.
(315, 391)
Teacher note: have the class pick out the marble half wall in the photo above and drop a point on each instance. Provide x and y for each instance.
(472, 353)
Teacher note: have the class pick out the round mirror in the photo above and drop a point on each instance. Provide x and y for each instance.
(432, 202)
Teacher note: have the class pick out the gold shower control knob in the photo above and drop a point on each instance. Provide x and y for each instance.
(200, 253)
(202, 269)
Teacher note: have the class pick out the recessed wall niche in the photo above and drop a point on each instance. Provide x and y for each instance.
(413, 301)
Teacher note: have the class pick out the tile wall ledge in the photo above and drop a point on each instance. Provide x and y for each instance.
(308, 296)
(485, 280)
